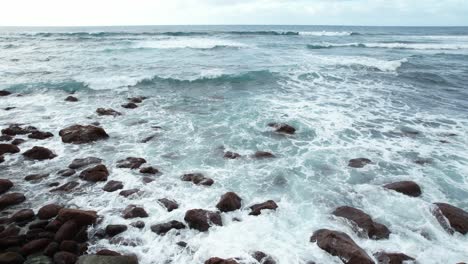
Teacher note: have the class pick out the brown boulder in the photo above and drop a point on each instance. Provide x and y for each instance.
(64, 257)
(221, 261)
(71, 99)
(95, 174)
(5, 185)
(79, 163)
(107, 112)
(162, 229)
(392, 258)
(66, 231)
(69, 246)
(48, 211)
(11, 199)
(18, 141)
(230, 201)
(39, 153)
(202, 219)
(107, 252)
(67, 187)
(359, 162)
(364, 221)
(113, 230)
(198, 179)
(409, 188)
(263, 258)
(4, 93)
(130, 106)
(149, 170)
(23, 215)
(457, 217)
(231, 155)
(133, 211)
(257, 208)
(126, 193)
(35, 246)
(36, 177)
(130, 163)
(169, 204)
(80, 216)
(113, 186)
(66, 172)
(40, 135)
(283, 128)
(5, 138)
(78, 134)
(11, 258)
(263, 155)
(8, 148)
(16, 129)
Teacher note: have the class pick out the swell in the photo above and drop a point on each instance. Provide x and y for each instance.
(65, 85)
(405, 45)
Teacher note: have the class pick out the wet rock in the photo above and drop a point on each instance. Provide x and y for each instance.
(41, 224)
(54, 225)
(127, 193)
(80, 163)
(9, 108)
(137, 100)
(149, 170)
(98, 259)
(35, 246)
(11, 258)
(67, 231)
(51, 249)
(113, 186)
(391, 258)
(257, 208)
(2, 159)
(263, 258)
(409, 188)
(11, 199)
(36, 177)
(107, 112)
(457, 217)
(138, 224)
(133, 211)
(229, 202)
(16, 129)
(10, 232)
(5, 185)
(48, 211)
(341, 245)
(8, 148)
(79, 134)
(231, 155)
(18, 141)
(148, 139)
(220, 261)
(130, 106)
(364, 221)
(95, 174)
(182, 244)
(148, 179)
(82, 217)
(202, 220)
(69, 246)
(82, 235)
(40, 135)
(4, 93)
(263, 155)
(64, 257)
(283, 128)
(71, 99)
(131, 163)
(66, 172)
(5, 138)
(67, 187)
(39, 153)
(162, 229)
(359, 162)
(198, 179)
(23, 216)
(113, 230)
(107, 252)
(169, 204)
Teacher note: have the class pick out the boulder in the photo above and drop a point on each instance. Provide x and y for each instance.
(8, 148)
(202, 220)
(51, 249)
(457, 217)
(257, 208)
(2, 159)
(67, 187)
(35, 259)
(341, 245)
(95, 174)
(5, 185)
(107, 112)
(39, 153)
(4, 93)
(5, 138)
(82, 217)
(149, 170)
(283, 128)
(359, 162)
(364, 221)
(11, 199)
(263, 258)
(130, 163)
(231, 155)
(169, 204)
(67, 231)
(230, 201)
(137, 100)
(48, 211)
(107, 252)
(69, 246)
(98, 259)
(138, 224)
(126, 193)
(198, 179)
(162, 229)
(35, 246)
(113, 230)
(130, 106)
(71, 99)
(216, 260)
(133, 211)
(18, 141)
(54, 225)
(40, 135)
(392, 258)
(263, 155)
(80, 163)
(16, 129)
(63, 257)
(79, 134)
(11, 258)
(66, 172)
(36, 177)
(113, 186)
(23, 216)
(409, 188)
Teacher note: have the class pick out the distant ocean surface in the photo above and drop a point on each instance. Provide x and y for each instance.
(395, 95)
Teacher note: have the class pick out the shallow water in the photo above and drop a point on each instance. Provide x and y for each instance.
(349, 91)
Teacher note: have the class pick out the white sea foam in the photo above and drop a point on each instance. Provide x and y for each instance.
(192, 43)
(396, 45)
(325, 33)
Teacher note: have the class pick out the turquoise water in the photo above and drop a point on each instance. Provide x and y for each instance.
(349, 91)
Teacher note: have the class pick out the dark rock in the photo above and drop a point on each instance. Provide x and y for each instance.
(409, 188)
(36, 177)
(11, 242)
(48, 211)
(82, 235)
(130, 106)
(198, 179)
(113, 186)
(263, 258)
(71, 99)
(133, 211)
(11, 258)
(5, 138)
(11, 199)
(392, 258)
(169, 204)
(5, 185)
(148, 179)
(51, 249)
(100, 259)
(35, 246)
(423, 162)
(18, 141)
(23, 215)
(10, 232)
(66, 172)
(359, 162)
(67, 231)
(40, 135)
(457, 217)
(107, 252)
(126, 193)
(182, 244)
(78, 134)
(54, 225)
(229, 202)
(16, 129)
(282, 128)
(64, 257)
(149, 170)
(95, 174)
(341, 245)
(8, 148)
(82, 217)
(113, 230)
(231, 155)
(41, 224)
(137, 100)
(39, 153)
(162, 229)
(107, 112)
(263, 155)
(220, 261)
(257, 208)
(138, 224)
(79, 163)
(4, 93)
(9, 108)
(69, 246)
(67, 187)
(2, 159)
(148, 139)
(202, 220)
(130, 163)
(364, 221)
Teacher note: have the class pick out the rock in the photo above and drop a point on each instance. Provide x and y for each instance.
(69, 246)
(48, 211)
(11, 199)
(79, 163)
(113, 230)
(130, 106)
(54, 225)
(82, 235)
(169, 204)
(341, 245)
(39, 153)
(38, 260)
(40, 135)
(80, 216)
(4, 93)
(10, 231)
(126, 193)
(64, 257)
(107, 112)
(162, 229)
(11, 258)
(198, 179)
(182, 244)
(263, 155)
(133, 211)
(202, 220)
(67, 231)
(16, 129)
(79, 134)
(392, 258)
(67, 187)
(137, 100)
(98, 259)
(149, 170)
(23, 216)
(107, 252)
(229, 202)
(36, 177)
(51, 249)
(5, 185)
(71, 99)
(113, 186)
(283, 128)
(423, 162)
(148, 179)
(138, 224)
(9, 108)
(130, 163)
(359, 162)
(8, 148)
(148, 139)
(35, 246)
(2, 159)
(18, 141)
(41, 224)
(95, 174)
(409, 188)
(457, 217)
(66, 172)
(263, 258)
(364, 221)
(257, 208)
(220, 261)
(5, 138)
(231, 155)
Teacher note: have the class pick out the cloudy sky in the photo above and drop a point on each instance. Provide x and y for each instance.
(178, 12)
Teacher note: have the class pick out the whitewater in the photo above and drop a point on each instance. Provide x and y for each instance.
(396, 96)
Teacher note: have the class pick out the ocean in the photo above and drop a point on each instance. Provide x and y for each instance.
(395, 95)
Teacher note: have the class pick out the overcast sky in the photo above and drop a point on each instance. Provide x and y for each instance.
(186, 12)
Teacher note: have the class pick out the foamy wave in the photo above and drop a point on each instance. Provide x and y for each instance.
(326, 33)
(192, 43)
(368, 62)
(394, 45)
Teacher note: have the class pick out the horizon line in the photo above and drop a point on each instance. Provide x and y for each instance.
(170, 25)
